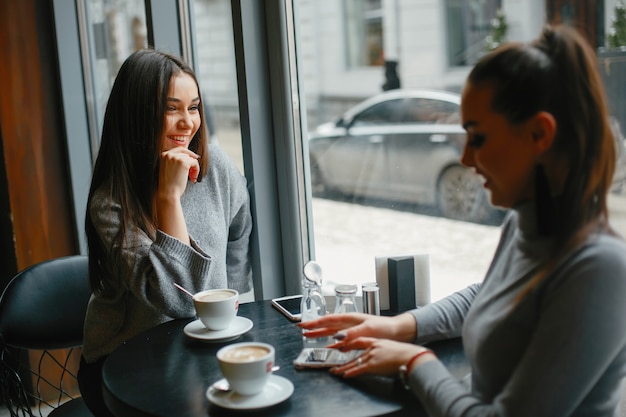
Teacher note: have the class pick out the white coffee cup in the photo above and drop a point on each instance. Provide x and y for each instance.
(246, 366)
(216, 308)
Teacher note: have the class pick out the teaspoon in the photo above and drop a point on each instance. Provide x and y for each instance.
(183, 289)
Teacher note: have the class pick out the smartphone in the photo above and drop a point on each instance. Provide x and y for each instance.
(324, 357)
(289, 306)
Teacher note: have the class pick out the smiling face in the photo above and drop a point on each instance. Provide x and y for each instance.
(182, 114)
(504, 154)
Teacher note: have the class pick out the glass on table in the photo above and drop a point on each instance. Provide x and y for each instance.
(313, 305)
(345, 296)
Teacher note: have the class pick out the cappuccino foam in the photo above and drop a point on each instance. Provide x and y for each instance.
(216, 296)
(245, 354)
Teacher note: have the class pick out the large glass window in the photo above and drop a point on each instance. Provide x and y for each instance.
(391, 186)
(385, 169)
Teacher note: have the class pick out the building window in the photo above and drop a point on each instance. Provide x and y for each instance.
(467, 28)
(364, 32)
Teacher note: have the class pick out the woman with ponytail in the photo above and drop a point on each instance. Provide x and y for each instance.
(545, 332)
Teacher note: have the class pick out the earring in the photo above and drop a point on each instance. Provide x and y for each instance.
(544, 203)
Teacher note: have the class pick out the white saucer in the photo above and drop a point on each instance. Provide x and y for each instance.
(277, 390)
(239, 326)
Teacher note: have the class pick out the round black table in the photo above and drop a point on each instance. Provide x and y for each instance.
(163, 372)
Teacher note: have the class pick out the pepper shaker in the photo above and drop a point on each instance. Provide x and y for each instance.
(371, 298)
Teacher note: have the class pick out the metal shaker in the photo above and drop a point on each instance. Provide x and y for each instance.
(371, 298)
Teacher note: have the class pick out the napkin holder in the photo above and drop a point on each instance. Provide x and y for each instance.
(404, 282)
(401, 284)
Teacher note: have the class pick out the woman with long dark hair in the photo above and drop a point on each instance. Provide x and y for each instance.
(164, 207)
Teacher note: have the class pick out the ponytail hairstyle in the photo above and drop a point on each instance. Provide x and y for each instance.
(557, 73)
(127, 166)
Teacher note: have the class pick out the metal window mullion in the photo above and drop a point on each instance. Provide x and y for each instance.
(260, 170)
(94, 136)
(288, 149)
(185, 23)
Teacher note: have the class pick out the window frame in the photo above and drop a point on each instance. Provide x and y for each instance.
(268, 92)
(273, 161)
(76, 86)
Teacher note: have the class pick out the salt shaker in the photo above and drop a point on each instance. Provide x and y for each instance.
(345, 299)
(371, 298)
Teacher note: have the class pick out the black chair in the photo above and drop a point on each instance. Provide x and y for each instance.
(42, 310)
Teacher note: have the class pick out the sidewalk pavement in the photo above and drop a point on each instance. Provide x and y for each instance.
(348, 237)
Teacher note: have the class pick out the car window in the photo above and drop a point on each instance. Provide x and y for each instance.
(425, 110)
(390, 111)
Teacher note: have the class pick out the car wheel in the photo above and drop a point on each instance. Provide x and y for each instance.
(461, 196)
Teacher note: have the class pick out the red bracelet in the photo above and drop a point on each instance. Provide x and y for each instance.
(404, 369)
(414, 358)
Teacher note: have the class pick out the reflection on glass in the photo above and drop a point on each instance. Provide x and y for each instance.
(468, 26)
(216, 71)
(364, 32)
(115, 29)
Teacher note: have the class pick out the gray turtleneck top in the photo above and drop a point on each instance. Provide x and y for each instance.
(560, 351)
(217, 214)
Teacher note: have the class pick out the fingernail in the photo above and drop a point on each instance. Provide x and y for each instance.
(340, 336)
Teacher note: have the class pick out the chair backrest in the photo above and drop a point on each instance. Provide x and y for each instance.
(44, 306)
(43, 309)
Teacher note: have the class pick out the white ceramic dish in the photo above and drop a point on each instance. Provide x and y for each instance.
(277, 390)
(239, 326)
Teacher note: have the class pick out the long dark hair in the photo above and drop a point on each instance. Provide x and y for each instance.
(558, 74)
(128, 159)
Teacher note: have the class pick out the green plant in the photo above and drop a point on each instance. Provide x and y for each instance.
(498, 30)
(617, 35)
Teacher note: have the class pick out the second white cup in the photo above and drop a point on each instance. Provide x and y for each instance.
(246, 366)
(216, 308)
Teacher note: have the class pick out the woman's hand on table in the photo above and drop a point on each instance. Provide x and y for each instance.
(380, 357)
(345, 327)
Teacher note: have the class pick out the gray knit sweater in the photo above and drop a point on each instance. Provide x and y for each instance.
(217, 213)
(561, 351)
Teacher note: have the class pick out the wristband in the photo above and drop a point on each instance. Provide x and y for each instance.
(404, 369)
